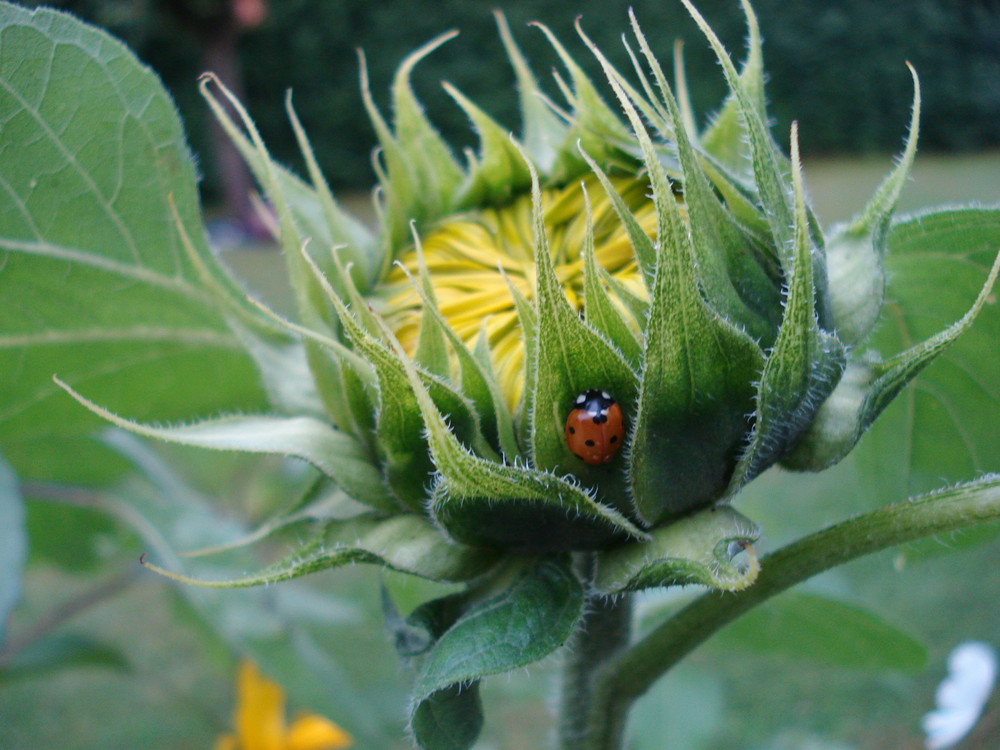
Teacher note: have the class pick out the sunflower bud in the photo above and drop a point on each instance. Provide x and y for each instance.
(680, 278)
(579, 339)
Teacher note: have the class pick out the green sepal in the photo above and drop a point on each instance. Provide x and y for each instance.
(855, 251)
(520, 625)
(499, 173)
(439, 172)
(642, 245)
(594, 127)
(335, 453)
(698, 549)
(527, 320)
(317, 215)
(476, 377)
(541, 127)
(770, 167)
(347, 233)
(636, 305)
(399, 426)
(726, 136)
(599, 312)
(570, 358)
(432, 340)
(740, 198)
(696, 387)
(731, 279)
(804, 366)
(482, 502)
(869, 387)
(310, 299)
(420, 177)
(406, 543)
(287, 372)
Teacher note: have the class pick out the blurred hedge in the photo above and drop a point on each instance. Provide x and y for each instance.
(837, 66)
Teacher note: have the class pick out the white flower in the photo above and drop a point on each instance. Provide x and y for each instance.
(972, 672)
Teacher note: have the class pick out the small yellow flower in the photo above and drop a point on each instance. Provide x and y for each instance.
(260, 720)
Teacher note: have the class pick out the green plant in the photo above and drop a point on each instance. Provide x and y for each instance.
(681, 272)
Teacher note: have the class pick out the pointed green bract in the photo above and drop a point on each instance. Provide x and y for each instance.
(405, 543)
(698, 549)
(334, 453)
(850, 411)
(541, 128)
(856, 251)
(726, 137)
(600, 313)
(344, 230)
(732, 281)
(499, 173)
(805, 364)
(476, 378)
(645, 253)
(696, 386)
(480, 501)
(594, 126)
(420, 177)
(571, 358)
(432, 342)
(408, 465)
(438, 171)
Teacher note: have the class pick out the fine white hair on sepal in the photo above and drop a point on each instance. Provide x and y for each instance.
(972, 673)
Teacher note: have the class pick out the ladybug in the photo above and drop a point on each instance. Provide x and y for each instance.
(594, 427)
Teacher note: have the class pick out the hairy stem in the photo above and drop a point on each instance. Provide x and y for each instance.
(603, 633)
(629, 675)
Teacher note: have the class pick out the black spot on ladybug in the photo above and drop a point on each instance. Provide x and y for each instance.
(614, 439)
(589, 443)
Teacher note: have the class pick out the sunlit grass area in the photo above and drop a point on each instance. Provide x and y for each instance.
(165, 682)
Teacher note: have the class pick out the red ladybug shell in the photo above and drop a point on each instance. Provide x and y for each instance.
(594, 428)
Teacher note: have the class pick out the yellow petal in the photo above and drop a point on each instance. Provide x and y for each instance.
(260, 711)
(312, 732)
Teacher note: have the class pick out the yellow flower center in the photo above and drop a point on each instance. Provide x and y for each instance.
(464, 256)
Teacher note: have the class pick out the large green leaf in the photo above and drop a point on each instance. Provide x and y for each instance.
(520, 625)
(96, 183)
(944, 426)
(13, 544)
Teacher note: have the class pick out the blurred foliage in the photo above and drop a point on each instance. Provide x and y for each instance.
(835, 67)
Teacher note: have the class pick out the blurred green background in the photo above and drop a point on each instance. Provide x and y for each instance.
(104, 655)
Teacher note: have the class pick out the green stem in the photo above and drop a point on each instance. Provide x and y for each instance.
(602, 634)
(636, 669)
